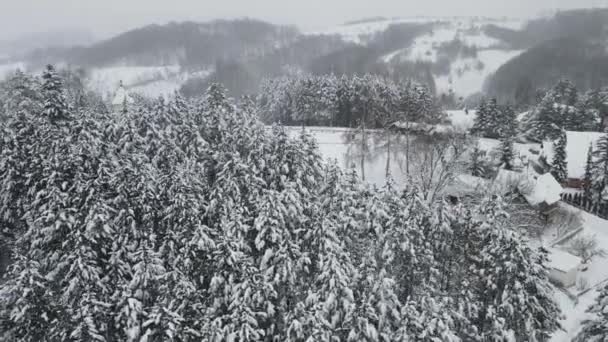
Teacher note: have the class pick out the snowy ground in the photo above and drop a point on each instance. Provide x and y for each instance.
(333, 147)
(576, 150)
(467, 77)
(521, 150)
(596, 275)
(151, 81)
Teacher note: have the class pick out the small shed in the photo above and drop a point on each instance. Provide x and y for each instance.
(563, 267)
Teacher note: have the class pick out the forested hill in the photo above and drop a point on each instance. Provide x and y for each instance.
(186, 43)
(571, 45)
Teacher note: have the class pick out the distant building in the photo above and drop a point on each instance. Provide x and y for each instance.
(563, 267)
(122, 99)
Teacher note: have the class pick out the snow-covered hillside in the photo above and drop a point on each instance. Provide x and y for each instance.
(467, 74)
(151, 81)
(358, 32)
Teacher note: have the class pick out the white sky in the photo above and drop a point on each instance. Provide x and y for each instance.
(107, 17)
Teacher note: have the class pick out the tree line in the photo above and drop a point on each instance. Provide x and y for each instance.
(328, 100)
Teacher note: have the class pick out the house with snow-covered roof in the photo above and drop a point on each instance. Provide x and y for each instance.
(542, 192)
(563, 267)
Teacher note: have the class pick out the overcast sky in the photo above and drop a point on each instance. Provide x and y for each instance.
(107, 17)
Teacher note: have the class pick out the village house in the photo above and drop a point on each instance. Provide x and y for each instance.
(563, 267)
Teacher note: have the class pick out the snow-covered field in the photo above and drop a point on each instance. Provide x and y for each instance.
(521, 150)
(151, 81)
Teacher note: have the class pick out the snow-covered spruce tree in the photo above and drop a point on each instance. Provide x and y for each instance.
(547, 122)
(585, 116)
(507, 155)
(481, 119)
(559, 165)
(565, 92)
(496, 122)
(596, 328)
(477, 166)
(55, 104)
(588, 178)
(507, 122)
(512, 279)
(20, 94)
(600, 176)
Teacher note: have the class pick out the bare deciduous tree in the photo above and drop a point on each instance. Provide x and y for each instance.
(586, 247)
(434, 160)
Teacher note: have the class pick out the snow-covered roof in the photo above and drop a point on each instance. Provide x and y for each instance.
(576, 151)
(121, 97)
(546, 190)
(562, 261)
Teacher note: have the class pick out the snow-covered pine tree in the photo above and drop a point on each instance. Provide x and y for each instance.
(507, 155)
(559, 164)
(546, 124)
(565, 93)
(508, 122)
(55, 104)
(588, 178)
(596, 328)
(478, 167)
(585, 116)
(495, 120)
(514, 290)
(21, 94)
(600, 178)
(481, 119)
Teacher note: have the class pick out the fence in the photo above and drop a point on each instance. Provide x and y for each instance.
(593, 207)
